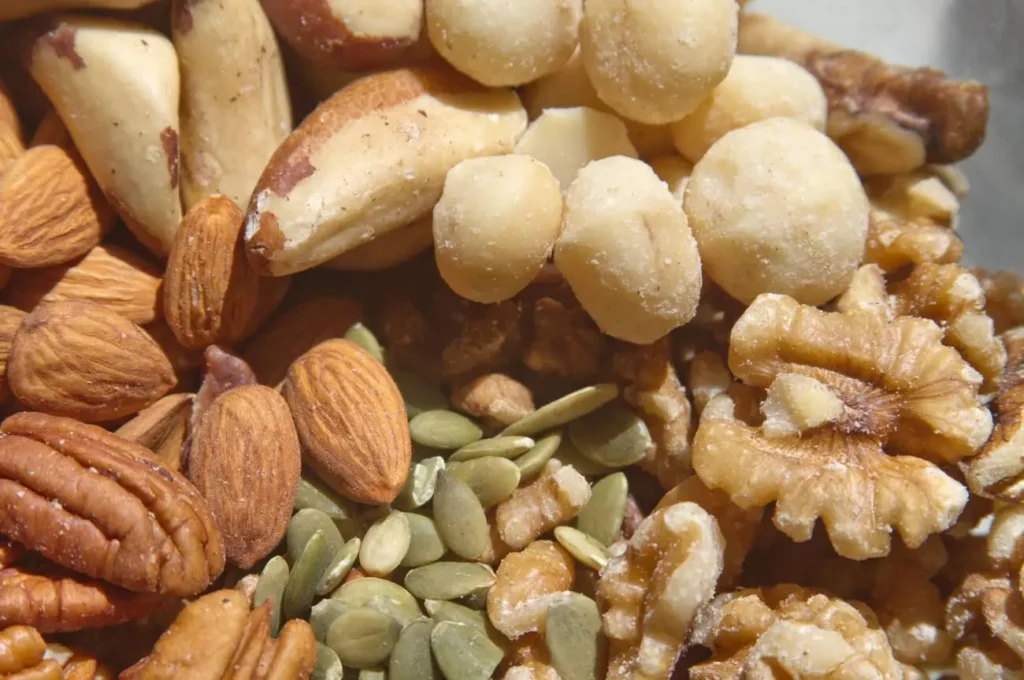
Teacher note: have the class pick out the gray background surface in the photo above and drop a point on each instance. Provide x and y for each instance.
(981, 39)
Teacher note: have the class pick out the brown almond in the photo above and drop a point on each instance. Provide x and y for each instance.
(245, 461)
(10, 321)
(351, 421)
(161, 428)
(82, 360)
(50, 210)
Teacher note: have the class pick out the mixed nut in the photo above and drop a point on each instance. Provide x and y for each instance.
(497, 363)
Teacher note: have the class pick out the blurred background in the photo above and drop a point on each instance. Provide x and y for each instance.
(980, 39)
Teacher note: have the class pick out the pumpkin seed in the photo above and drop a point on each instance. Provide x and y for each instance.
(503, 447)
(445, 430)
(601, 518)
(448, 580)
(564, 409)
(491, 479)
(533, 461)
(307, 571)
(328, 665)
(271, 586)
(313, 493)
(442, 610)
(420, 484)
(362, 336)
(363, 638)
(323, 615)
(418, 393)
(477, 599)
(362, 591)
(339, 567)
(584, 548)
(460, 518)
(304, 524)
(385, 544)
(464, 652)
(568, 454)
(372, 674)
(574, 639)
(613, 436)
(425, 544)
(411, 658)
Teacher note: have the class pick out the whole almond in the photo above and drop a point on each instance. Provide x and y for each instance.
(210, 291)
(82, 360)
(245, 461)
(10, 321)
(50, 210)
(351, 420)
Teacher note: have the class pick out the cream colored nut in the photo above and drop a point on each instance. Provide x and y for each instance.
(124, 121)
(777, 208)
(499, 43)
(16, 9)
(627, 251)
(495, 225)
(567, 139)
(553, 499)
(395, 247)
(653, 61)
(797, 403)
(371, 159)
(675, 171)
(235, 110)
(755, 88)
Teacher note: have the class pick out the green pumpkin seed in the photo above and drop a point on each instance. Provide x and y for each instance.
(563, 410)
(271, 586)
(363, 592)
(385, 544)
(306, 574)
(420, 484)
(323, 615)
(372, 674)
(313, 493)
(328, 665)
(460, 518)
(491, 479)
(363, 638)
(502, 447)
(533, 461)
(585, 549)
(601, 518)
(304, 524)
(445, 430)
(442, 610)
(425, 544)
(464, 652)
(613, 436)
(339, 567)
(418, 393)
(476, 599)
(411, 658)
(362, 336)
(448, 580)
(568, 454)
(574, 638)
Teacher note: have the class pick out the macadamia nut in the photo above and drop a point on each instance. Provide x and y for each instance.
(675, 171)
(495, 225)
(755, 88)
(777, 208)
(567, 139)
(654, 61)
(627, 251)
(499, 43)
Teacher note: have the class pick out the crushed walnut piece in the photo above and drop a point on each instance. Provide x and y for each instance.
(565, 341)
(1004, 296)
(497, 398)
(552, 499)
(487, 343)
(526, 584)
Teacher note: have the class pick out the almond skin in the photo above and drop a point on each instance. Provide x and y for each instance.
(10, 321)
(351, 421)
(161, 428)
(245, 461)
(81, 360)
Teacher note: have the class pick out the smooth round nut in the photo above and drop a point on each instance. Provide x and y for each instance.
(756, 88)
(495, 225)
(501, 43)
(654, 61)
(627, 251)
(777, 208)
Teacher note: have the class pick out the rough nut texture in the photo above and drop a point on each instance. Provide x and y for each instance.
(245, 462)
(98, 504)
(84, 361)
(351, 420)
(10, 321)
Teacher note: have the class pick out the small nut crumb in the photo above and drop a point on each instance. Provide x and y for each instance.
(553, 499)
(797, 403)
(565, 341)
(497, 398)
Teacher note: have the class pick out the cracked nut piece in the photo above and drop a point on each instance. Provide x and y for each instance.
(99, 505)
(526, 584)
(565, 341)
(124, 122)
(788, 631)
(162, 428)
(1004, 297)
(651, 593)
(886, 118)
(495, 397)
(551, 500)
(908, 403)
(216, 636)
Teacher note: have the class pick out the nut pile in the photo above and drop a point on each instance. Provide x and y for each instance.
(422, 339)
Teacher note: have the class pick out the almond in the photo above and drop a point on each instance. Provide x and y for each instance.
(210, 291)
(161, 428)
(351, 420)
(10, 321)
(82, 360)
(245, 461)
(50, 210)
